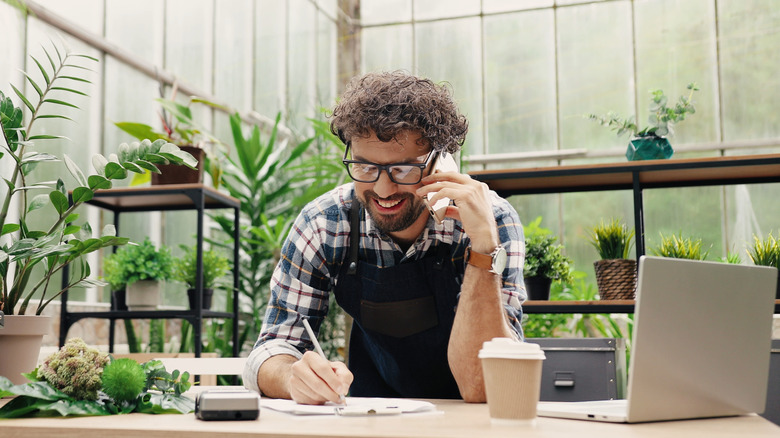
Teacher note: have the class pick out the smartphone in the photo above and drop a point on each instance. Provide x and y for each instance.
(444, 163)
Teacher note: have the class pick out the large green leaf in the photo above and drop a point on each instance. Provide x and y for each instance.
(140, 130)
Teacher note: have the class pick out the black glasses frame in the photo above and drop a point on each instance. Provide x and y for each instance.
(386, 167)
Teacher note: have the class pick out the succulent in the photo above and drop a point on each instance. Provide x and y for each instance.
(612, 240)
(75, 369)
(680, 247)
(766, 252)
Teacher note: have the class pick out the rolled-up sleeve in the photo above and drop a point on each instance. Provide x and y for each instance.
(300, 287)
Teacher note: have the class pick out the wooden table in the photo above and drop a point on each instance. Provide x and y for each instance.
(453, 419)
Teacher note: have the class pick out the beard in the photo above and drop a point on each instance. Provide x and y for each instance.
(412, 207)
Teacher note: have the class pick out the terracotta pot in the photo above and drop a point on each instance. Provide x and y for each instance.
(180, 174)
(208, 294)
(20, 344)
(143, 295)
(538, 288)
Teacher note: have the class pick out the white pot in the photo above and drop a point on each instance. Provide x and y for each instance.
(143, 295)
(20, 344)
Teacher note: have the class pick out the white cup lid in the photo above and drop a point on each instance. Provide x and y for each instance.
(507, 348)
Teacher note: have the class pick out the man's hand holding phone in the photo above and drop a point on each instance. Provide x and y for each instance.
(448, 193)
(438, 209)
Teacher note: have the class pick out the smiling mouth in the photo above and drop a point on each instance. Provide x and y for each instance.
(388, 204)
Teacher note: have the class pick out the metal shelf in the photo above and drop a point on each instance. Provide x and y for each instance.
(635, 176)
(171, 197)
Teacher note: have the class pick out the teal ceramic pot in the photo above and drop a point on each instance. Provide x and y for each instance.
(649, 148)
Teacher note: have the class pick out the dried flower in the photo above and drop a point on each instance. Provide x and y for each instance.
(75, 369)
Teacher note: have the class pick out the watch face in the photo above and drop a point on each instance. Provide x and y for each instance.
(499, 260)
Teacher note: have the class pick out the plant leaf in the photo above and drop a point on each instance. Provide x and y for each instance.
(24, 99)
(59, 201)
(38, 202)
(115, 171)
(60, 102)
(43, 71)
(98, 182)
(74, 170)
(81, 195)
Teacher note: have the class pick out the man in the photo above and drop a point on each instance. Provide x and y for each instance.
(423, 295)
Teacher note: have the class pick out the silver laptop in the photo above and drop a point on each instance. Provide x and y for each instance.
(701, 344)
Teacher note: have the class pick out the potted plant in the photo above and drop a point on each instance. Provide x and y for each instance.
(32, 258)
(615, 272)
(680, 247)
(140, 268)
(180, 128)
(215, 266)
(545, 261)
(766, 253)
(650, 143)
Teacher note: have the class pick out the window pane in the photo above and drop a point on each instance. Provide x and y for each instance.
(428, 10)
(749, 41)
(385, 11)
(270, 58)
(450, 51)
(672, 51)
(387, 48)
(520, 82)
(595, 69)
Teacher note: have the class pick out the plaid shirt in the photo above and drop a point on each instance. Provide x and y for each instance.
(318, 244)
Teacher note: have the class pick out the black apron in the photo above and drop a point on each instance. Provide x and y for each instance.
(402, 316)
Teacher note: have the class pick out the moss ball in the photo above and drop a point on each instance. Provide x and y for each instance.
(123, 379)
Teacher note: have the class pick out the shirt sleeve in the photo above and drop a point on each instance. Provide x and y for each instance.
(510, 232)
(300, 287)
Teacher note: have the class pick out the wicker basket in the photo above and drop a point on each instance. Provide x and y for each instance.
(616, 279)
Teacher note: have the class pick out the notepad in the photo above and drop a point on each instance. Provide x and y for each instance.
(355, 406)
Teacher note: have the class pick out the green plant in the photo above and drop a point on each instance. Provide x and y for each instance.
(135, 262)
(612, 240)
(121, 386)
(273, 179)
(30, 258)
(680, 247)
(215, 266)
(123, 379)
(542, 256)
(766, 252)
(661, 119)
(180, 128)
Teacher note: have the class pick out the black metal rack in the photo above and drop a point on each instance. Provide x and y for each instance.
(635, 176)
(165, 198)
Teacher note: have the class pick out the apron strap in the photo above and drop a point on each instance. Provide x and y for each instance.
(354, 236)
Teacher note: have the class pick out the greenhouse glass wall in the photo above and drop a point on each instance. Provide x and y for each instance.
(525, 72)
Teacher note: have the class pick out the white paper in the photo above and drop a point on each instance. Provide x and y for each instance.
(406, 406)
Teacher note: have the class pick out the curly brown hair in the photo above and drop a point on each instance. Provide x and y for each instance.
(389, 103)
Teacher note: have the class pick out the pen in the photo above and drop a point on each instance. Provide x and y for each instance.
(319, 350)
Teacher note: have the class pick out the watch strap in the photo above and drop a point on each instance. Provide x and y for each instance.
(484, 261)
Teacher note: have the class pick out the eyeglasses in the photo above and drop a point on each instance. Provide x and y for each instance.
(399, 173)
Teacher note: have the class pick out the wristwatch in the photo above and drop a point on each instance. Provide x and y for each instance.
(494, 262)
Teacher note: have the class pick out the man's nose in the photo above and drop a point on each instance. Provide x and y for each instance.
(384, 186)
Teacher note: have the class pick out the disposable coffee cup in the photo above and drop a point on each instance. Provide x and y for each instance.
(513, 376)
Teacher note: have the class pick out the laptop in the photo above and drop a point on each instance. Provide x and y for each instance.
(701, 344)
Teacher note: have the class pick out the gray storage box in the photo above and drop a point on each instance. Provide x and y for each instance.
(772, 410)
(582, 369)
